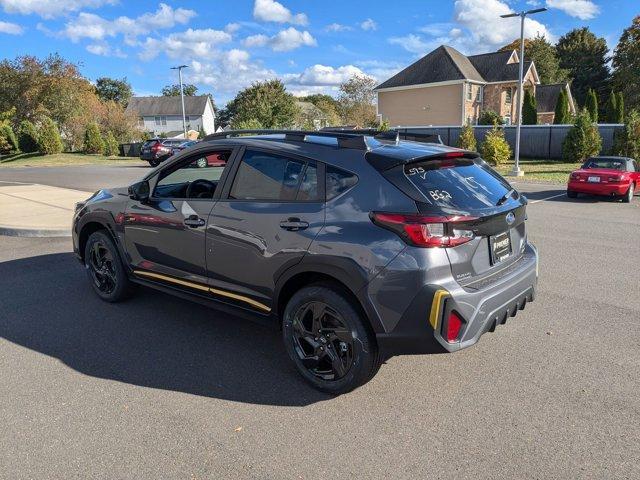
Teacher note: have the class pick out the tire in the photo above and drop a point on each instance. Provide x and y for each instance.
(154, 163)
(344, 341)
(105, 269)
(572, 194)
(628, 197)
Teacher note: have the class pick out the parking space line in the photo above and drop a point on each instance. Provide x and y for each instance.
(547, 198)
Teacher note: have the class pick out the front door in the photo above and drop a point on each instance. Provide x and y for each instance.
(165, 236)
(263, 224)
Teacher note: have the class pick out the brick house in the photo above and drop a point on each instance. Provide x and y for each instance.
(446, 87)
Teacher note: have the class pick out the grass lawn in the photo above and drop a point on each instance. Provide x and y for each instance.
(62, 159)
(543, 170)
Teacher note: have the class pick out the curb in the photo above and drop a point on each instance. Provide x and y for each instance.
(35, 232)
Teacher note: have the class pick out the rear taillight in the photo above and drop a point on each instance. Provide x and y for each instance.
(454, 326)
(574, 176)
(614, 179)
(156, 146)
(424, 231)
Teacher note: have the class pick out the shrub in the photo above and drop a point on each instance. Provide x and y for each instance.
(250, 124)
(626, 141)
(111, 146)
(467, 139)
(495, 149)
(592, 105)
(529, 109)
(92, 140)
(612, 107)
(583, 139)
(384, 126)
(620, 111)
(9, 142)
(49, 141)
(489, 117)
(27, 137)
(561, 115)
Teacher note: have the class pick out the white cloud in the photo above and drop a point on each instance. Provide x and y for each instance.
(11, 28)
(283, 41)
(369, 24)
(337, 27)
(323, 76)
(51, 8)
(272, 11)
(105, 50)
(188, 44)
(232, 27)
(414, 43)
(89, 25)
(582, 9)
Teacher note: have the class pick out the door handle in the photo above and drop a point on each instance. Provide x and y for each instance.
(194, 221)
(293, 224)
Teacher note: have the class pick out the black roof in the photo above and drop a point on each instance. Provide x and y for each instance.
(446, 63)
(547, 96)
(150, 106)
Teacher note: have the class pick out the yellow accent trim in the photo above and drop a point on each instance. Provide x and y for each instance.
(204, 288)
(434, 316)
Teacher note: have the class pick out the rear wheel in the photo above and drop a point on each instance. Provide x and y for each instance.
(105, 270)
(629, 195)
(154, 163)
(328, 341)
(572, 194)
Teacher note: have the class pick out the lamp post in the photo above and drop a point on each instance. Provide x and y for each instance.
(517, 172)
(184, 118)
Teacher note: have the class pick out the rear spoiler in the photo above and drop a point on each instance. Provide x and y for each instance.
(381, 160)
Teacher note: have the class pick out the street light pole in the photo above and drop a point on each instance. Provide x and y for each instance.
(516, 171)
(184, 118)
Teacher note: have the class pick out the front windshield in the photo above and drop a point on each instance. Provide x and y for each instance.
(607, 163)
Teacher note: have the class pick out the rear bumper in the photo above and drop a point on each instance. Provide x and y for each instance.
(422, 326)
(598, 188)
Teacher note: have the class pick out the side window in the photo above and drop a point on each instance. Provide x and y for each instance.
(339, 181)
(267, 176)
(197, 178)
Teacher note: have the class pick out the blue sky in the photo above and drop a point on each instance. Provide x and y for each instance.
(312, 45)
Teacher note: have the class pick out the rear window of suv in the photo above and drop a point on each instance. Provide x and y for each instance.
(461, 183)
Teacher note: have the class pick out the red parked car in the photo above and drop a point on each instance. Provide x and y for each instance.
(610, 176)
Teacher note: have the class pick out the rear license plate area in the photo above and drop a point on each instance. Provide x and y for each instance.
(500, 247)
(593, 179)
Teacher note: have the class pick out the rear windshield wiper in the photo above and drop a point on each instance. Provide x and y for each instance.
(505, 197)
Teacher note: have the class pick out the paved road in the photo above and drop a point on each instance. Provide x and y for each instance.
(82, 177)
(161, 388)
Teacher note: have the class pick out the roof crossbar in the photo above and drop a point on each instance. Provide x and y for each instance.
(356, 141)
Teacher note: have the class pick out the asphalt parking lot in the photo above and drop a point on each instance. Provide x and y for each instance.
(158, 387)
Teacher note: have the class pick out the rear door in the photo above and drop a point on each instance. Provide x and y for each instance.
(263, 224)
(468, 187)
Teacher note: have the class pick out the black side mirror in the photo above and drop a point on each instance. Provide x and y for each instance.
(139, 191)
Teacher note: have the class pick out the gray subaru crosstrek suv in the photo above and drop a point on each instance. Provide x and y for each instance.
(357, 247)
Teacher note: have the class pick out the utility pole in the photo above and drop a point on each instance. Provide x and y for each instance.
(184, 118)
(516, 171)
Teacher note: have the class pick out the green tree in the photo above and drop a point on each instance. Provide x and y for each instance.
(620, 105)
(93, 142)
(626, 64)
(268, 103)
(561, 116)
(585, 57)
(201, 133)
(467, 139)
(545, 57)
(111, 146)
(174, 90)
(27, 137)
(612, 107)
(529, 109)
(592, 105)
(489, 117)
(495, 148)
(357, 101)
(8, 140)
(583, 139)
(627, 140)
(112, 89)
(248, 124)
(49, 141)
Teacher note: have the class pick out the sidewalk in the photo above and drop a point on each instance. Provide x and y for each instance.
(31, 210)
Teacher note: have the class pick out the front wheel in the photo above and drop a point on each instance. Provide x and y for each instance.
(629, 195)
(105, 270)
(326, 337)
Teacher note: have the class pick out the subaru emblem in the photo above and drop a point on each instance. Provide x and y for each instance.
(510, 218)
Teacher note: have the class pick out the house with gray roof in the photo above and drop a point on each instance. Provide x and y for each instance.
(163, 115)
(446, 87)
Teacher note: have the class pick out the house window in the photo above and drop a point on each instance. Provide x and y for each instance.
(469, 92)
(161, 120)
(508, 95)
(141, 122)
(479, 94)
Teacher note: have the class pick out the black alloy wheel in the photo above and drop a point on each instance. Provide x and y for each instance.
(102, 269)
(322, 341)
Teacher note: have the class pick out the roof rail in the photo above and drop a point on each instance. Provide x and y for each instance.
(353, 140)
